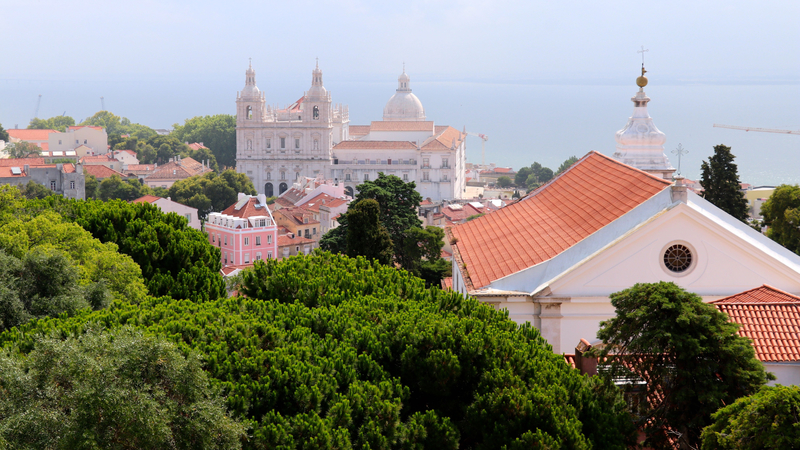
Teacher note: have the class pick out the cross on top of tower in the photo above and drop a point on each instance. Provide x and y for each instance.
(642, 52)
(680, 151)
(317, 63)
(250, 60)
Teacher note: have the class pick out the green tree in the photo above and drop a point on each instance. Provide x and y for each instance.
(521, 177)
(211, 191)
(90, 185)
(504, 181)
(328, 351)
(3, 134)
(565, 165)
(422, 255)
(114, 187)
(201, 155)
(175, 259)
(113, 124)
(217, 132)
(720, 180)
(22, 149)
(35, 190)
(781, 214)
(115, 390)
(366, 236)
(58, 123)
(687, 352)
(766, 420)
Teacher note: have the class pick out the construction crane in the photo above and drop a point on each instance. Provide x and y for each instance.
(763, 130)
(483, 138)
(38, 102)
(102, 104)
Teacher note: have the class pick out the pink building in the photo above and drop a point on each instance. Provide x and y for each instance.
(244, 232)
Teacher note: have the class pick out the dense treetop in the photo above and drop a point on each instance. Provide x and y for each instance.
(211, 191)
(781, 214)
(721, 186)
(217, 132)
(333, 352)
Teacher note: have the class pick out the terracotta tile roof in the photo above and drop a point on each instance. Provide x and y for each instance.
(97, 159)
(175, 170)
(316, 202)
(282, 202)
(5, 172)
(69, 168)
(230, 268)
(30, 135)
(447, 283)
(374, 145)
(44, 145)
(296, 215)
(196, 146)
(768, 316)
(78, 127)
(140, 167)
(101, 172)
(503, 170)
(444, 140)
(285, 240)
(146, 199)
(390, 125)
(9, 162)
(592, 193)
(359, 130)
(250, 209)
(459, 213)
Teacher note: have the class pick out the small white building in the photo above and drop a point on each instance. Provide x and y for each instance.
(94, 139)
(167, 206)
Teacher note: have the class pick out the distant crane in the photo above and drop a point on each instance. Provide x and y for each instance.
(38, 102)
(483, 138)
(102, 104)
(763, 130)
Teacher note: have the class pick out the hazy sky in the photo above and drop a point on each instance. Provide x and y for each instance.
(545, 80)
(739, 41)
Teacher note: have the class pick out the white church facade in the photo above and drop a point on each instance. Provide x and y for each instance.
(313, 138)
(554, 257)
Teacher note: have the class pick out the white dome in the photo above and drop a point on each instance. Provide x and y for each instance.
(404, 105)
(317, 88)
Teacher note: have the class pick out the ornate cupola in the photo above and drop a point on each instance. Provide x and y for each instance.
(250, 89)
(250, 102)
(640, 144)
(317, 91)
(404, 105)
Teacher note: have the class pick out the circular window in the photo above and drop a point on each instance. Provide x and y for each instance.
(678, 258)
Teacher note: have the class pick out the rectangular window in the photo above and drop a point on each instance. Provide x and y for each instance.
(283, 142)
(297, 143)
(366, 177)
(444, 177)
(213, 239)
(247, 241)
(269, 255)
(405, 177)
(269, 175)
(226, 239)
(269, 239)
(269, 143)
(347, 177)
(59, 142)
(444, 162)
(72, 185)
(258, 256)
(226, 257)
(52, 185)
(426, 162)
(188, 217)
(425, 176)
(308, 235)
(314, 230)
(247, 258)
(258, 240)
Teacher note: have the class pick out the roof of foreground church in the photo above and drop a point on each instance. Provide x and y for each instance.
(768, 316)
(589, 195)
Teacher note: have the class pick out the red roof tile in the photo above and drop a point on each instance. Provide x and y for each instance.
(444, 140)
(146, 199)
(195, 146)
(19, 162)
(285, 240)
(553, 218)
(101, 172)
(30, 135)
(768, 316)
(359, 130)
(380, 125)
(374, 145)
(447, 283)
(5, 172)
(250, 209)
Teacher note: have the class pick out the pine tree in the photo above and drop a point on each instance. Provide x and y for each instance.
(720, 181)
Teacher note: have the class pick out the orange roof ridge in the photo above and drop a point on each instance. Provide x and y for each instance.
(591, 194)
(762, 295)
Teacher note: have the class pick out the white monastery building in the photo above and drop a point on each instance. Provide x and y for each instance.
(554, 257)
(312, 137)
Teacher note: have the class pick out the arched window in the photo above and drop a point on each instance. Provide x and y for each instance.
(249, 112)
(316, 112)
(282, 188)
(268, 190)
(316, 143)
(249, 144)
(283, 175)
(349, 190)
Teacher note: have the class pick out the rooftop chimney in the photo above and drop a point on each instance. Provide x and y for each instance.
(679, 190)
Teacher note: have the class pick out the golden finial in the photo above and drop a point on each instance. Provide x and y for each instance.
(642, 80)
